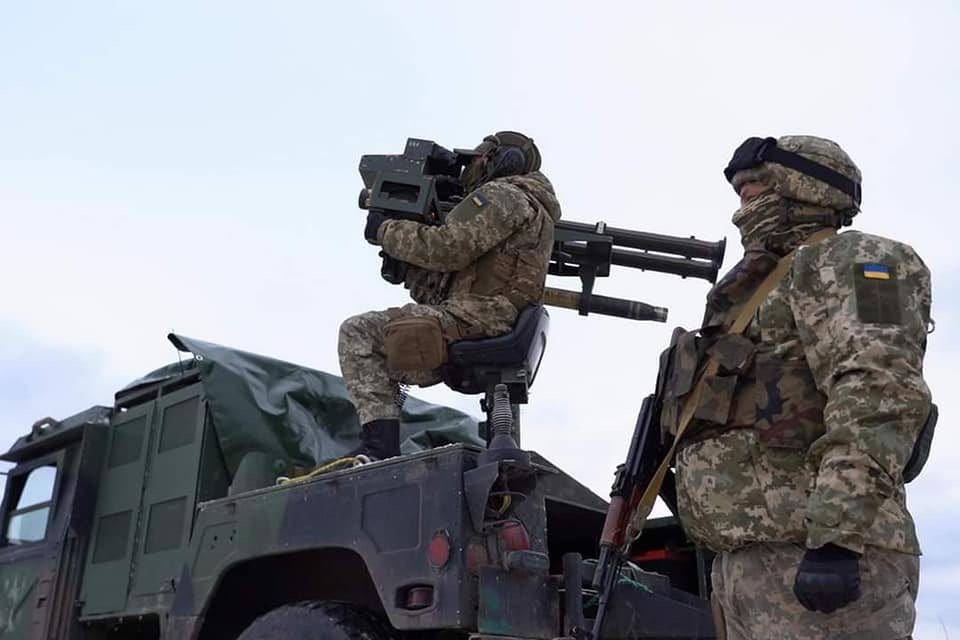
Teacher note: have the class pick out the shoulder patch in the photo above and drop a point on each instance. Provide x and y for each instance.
(479, 200)
(878, 293)
(875, 271)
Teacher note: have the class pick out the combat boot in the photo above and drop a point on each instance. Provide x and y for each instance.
(380, 439)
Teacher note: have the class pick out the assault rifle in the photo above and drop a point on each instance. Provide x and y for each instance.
(630, 482)
(422, 184)
(631, 478)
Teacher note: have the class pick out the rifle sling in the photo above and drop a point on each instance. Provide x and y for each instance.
(740, 324)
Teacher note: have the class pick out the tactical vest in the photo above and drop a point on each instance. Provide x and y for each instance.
(516, 268)
(753, 387)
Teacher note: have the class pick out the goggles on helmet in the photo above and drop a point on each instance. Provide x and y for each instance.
(755, 151)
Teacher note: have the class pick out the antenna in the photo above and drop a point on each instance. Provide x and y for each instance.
(179, 357)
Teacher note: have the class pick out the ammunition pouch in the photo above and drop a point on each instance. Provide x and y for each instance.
(735, 355)
(415, 343)
(775, 396)
(678, 371)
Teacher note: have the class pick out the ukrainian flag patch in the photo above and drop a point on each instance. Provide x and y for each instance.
(878, 293)
(876, 271)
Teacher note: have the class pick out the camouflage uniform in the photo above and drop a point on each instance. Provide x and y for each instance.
(801, 438)
(753, 588)
(474, 273)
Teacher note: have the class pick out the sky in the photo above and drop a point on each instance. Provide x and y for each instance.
(192, 166)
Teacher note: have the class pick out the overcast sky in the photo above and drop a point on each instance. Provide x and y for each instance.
(192, 166)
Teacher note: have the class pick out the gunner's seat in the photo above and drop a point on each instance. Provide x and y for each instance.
(478, 366)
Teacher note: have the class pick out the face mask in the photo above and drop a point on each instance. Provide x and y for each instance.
(758, 218)
(771, 222)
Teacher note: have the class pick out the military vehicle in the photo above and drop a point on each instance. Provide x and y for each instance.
(161, 516)
(201, 505)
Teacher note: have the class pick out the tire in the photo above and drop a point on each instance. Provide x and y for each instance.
(318, 621)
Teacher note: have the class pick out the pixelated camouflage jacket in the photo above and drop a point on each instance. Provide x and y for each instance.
(825, 416)
(489, 258)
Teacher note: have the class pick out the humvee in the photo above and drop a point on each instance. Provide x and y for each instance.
(161, 516)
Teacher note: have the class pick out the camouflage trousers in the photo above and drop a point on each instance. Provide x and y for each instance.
(374, 387)
(754, 589)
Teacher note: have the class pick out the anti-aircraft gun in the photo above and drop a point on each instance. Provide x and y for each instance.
(422, 184)
(186, 509)
(588, 251)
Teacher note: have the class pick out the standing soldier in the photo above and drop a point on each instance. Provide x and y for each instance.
(795, 438)
(470, 277)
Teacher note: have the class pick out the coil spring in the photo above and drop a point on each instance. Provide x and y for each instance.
(400, 397)
(502, 414)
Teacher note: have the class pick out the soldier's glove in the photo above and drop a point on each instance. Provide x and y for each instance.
(828, 578)
(374, 220)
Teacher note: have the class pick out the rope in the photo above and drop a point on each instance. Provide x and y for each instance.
(346, 462)
(594, 600)
(507, 501)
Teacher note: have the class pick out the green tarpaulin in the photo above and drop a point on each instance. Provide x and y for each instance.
(301, 415)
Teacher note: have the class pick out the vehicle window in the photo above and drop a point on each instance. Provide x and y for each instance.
(28, 518)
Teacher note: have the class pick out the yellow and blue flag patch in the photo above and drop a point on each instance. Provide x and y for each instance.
(878, 293)
(876, 271)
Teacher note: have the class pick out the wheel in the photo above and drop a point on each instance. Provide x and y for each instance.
(318, 621)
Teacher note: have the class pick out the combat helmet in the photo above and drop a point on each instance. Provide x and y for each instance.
(508, 153)
(802, 168)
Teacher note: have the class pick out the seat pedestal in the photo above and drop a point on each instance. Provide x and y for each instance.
(504, 367)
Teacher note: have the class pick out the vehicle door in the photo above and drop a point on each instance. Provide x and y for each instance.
(29, 503)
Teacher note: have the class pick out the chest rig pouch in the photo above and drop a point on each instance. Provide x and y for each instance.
(718, 404)
(747, 387)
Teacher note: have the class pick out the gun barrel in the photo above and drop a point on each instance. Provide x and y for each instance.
(683, 267)
(687, 247)
(604, 305)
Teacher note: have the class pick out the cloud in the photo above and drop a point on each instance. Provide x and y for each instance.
(38, 379)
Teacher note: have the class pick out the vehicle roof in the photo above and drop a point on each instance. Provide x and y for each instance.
(48, 433)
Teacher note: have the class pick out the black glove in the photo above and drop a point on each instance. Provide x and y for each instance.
(828, 578)
(374, 220)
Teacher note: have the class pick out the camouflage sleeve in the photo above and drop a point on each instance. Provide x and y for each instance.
(484, 219)
(861, 304)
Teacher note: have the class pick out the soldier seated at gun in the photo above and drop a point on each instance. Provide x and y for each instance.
(469, 270)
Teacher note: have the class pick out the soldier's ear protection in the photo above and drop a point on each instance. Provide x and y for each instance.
(506, 140)
(755, 151)
(507, 161)
(499, 145)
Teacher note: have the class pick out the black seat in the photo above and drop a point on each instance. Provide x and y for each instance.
(476, 366)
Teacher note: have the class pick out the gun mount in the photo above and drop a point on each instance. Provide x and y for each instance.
(588, 251)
